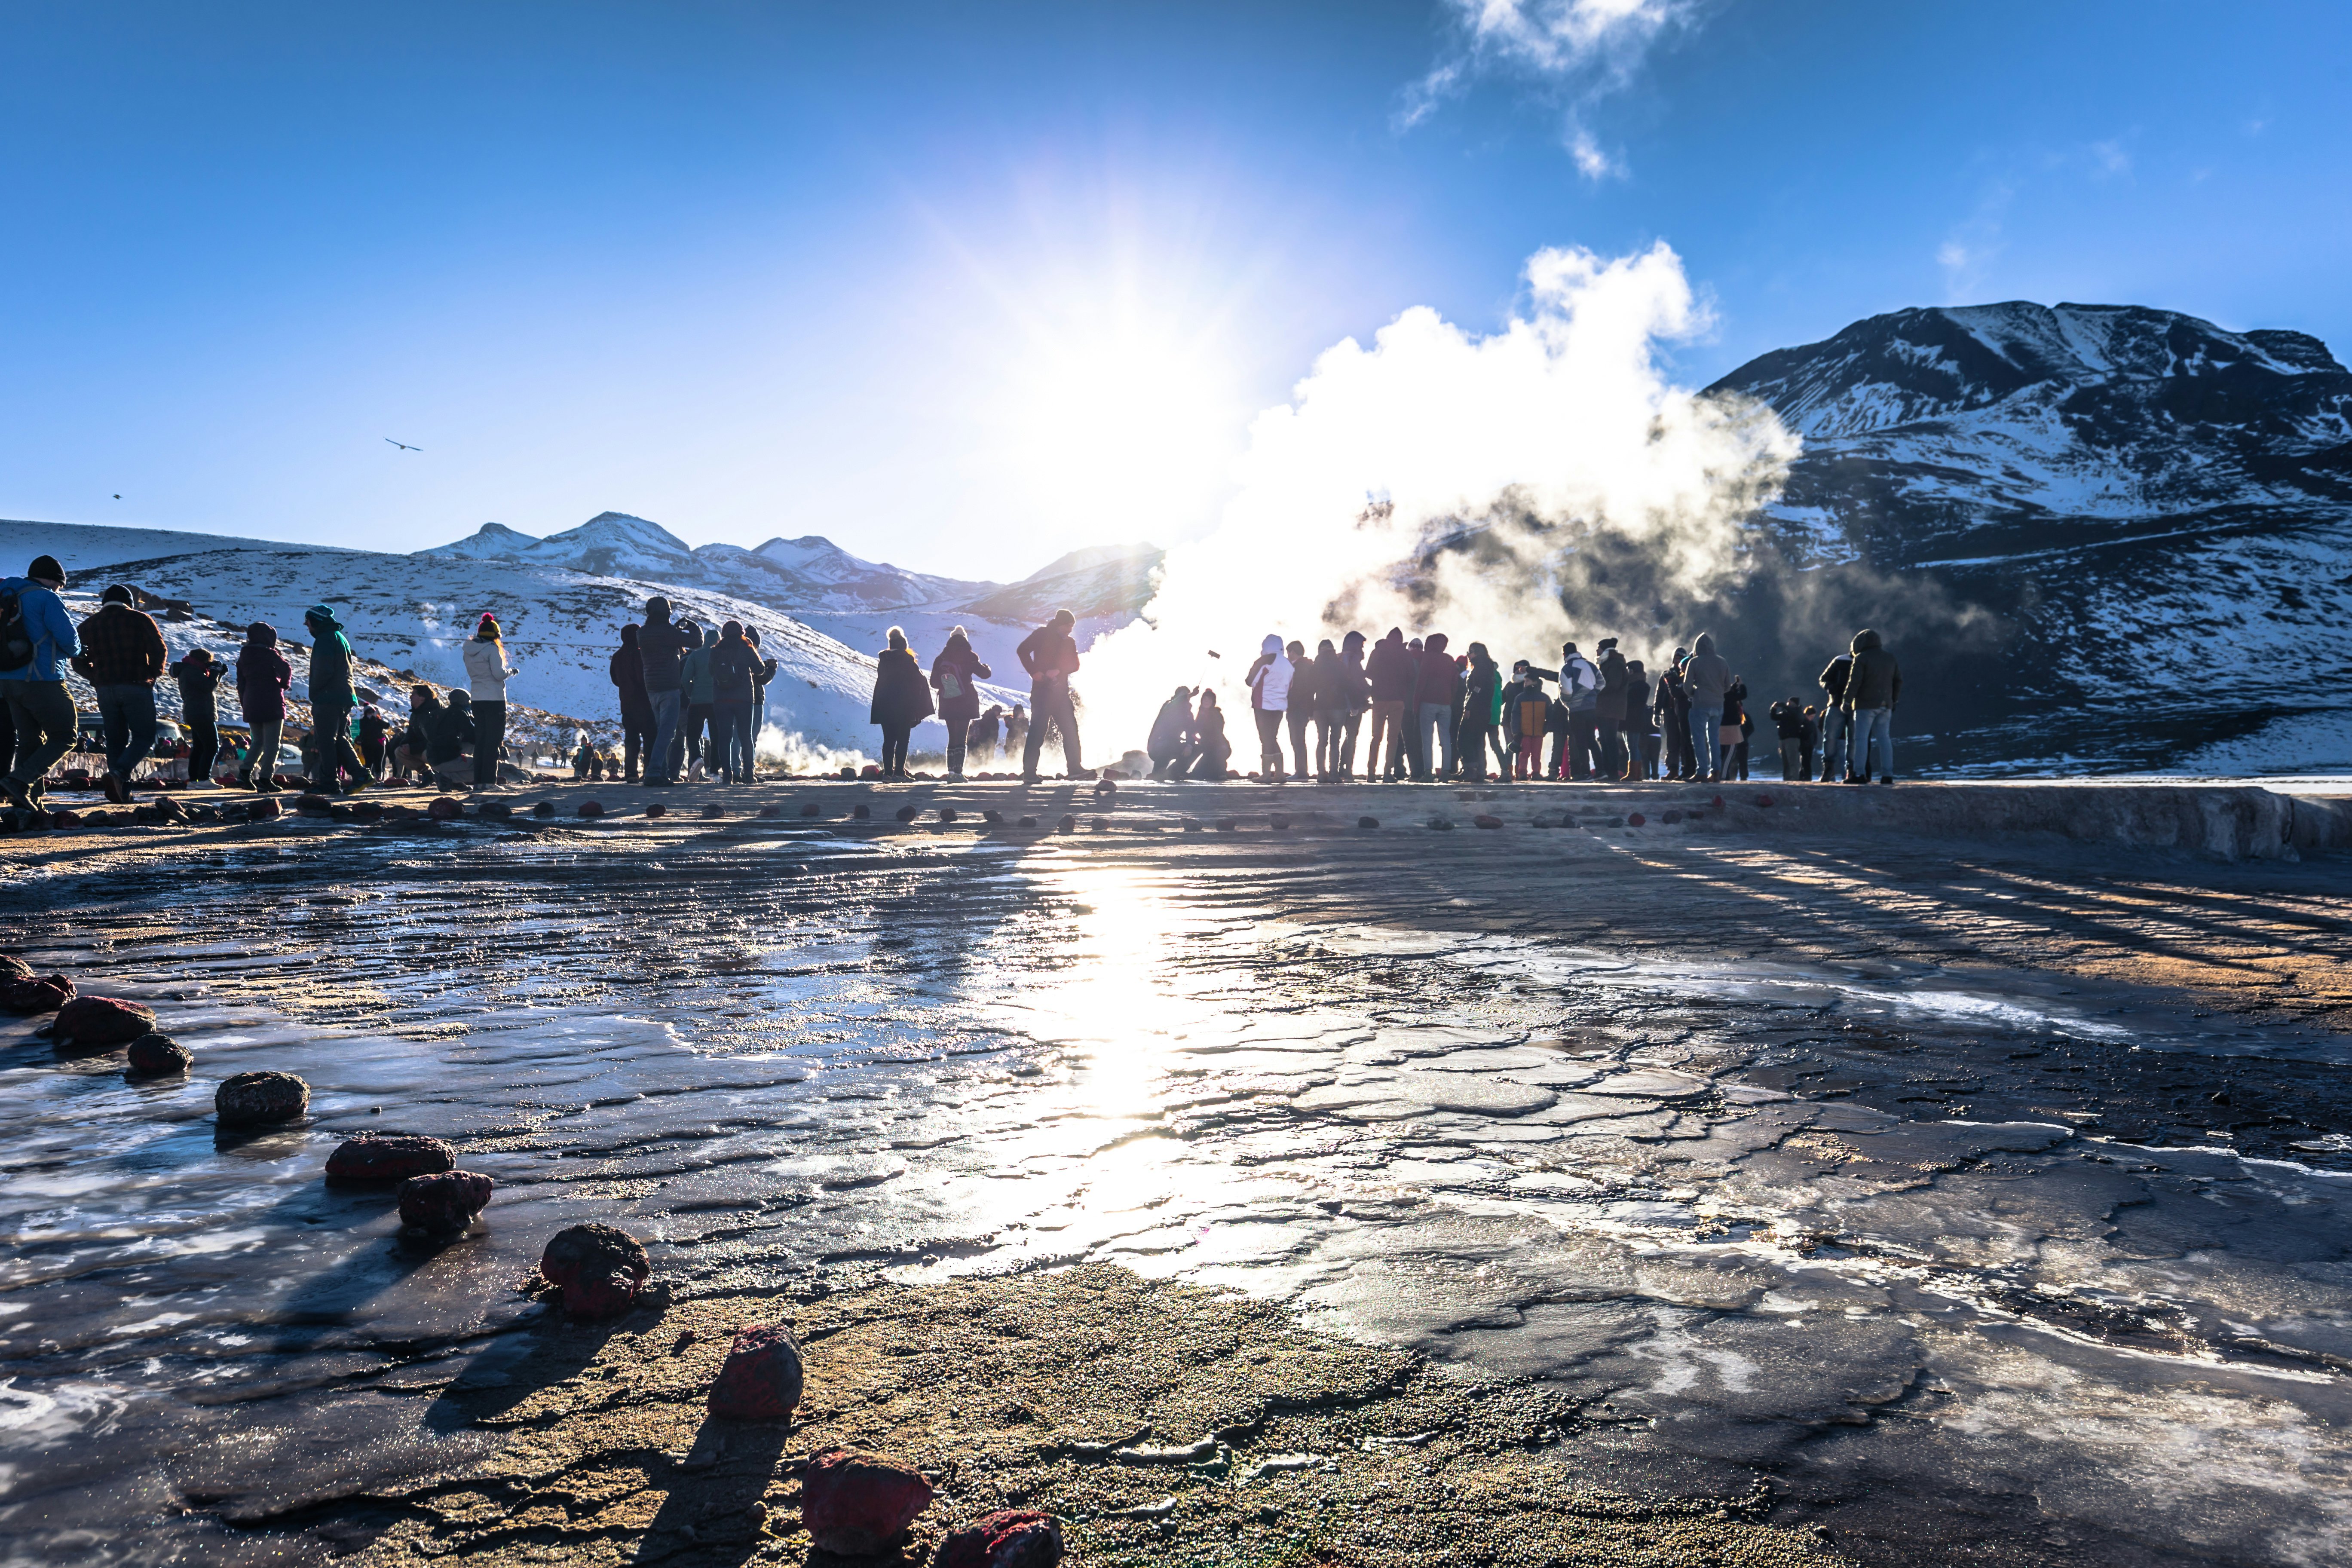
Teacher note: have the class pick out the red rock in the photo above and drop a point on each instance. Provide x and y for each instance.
(812, 809)
(445, 1201)
(1368, 821)
(253, 1098)
(43, 995)
(313, 805)
(908, 814)
(265, 808)
(389, 1157)
(1637, 820)
(598, 1268)
(771, 811)
(591, 808)
(65, 819)
(367, 811)
(1012, 1538)
(157, 1056)
(657, 809)
(856, 1505)
(762, 1378)
(870, 770)
(1483, 820)
(103, 1021)
(445, 808)
(1717, 803)
(14, 969)
(1763, 800)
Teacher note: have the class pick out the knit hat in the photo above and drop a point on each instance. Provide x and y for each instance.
(263, 633)
(116, 593)
(322, 614)
(45, 569)
(487, 630)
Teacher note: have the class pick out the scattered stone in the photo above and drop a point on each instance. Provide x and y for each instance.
(144, 816)
(946, 814)
(870, 770)
(313, 805)
(1763, 800)
(46, 994)
(543, 808)
(389, 1157)
(591, 808)
(1716, 802)
(861, 813)
(762, 1378)
(373, 811)
(599, 1268)
(1441, 825)
(158, 1055)
(991, 816)
(906, 814)
(856, 1505)
(103, 1021)
(1026, 822)
(1483, 820)
(1637, 820)
(1227, 825)
(1067, 823)
(771, 811)
(264, 809)
(1279, 823)
(713, 808)
(1670, 818)
(812, 809)
(657, 809)
(1096, 825)
(1010, 1537)
(445, 1201)
(252, 1099)
(14, 969)
(445, 808)
(73, 818)
(1368, 821)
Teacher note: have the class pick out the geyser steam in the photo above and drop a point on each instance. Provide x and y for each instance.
(1543, 441)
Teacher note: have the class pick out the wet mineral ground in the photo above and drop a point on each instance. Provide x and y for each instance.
(1240, 1183)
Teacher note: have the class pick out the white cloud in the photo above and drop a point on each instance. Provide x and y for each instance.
(2109, 158)
(1580, 50)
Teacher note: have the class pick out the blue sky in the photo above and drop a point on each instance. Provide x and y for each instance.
(967, 285)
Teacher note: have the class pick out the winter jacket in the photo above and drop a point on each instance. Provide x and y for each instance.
(1788, 719)
(901, 695)
(487, 670)
(263, 676)
(1049, 655)
(198, 674)
(1305, 685)
(662, 648)
(1707, 676)
(1482, 691)
(1437, 678)
(1391, 671)
(46, 623)
(448, 731)
(1271, 676)
(737, 669)
(1834, 676)
(1877, 682)
(1609, 702)
(1169, 729)
(330, 661)
(1531, 710)
(694, 671)
(955, 676)
(1637, 695)
(120, 647)
(628, 672)
(1347, 689)
(1209, 730)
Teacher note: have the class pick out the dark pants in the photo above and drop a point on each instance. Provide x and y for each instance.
(1793, 762)
(1209, 767)
(1051, 707)
(1336, 756)
(203, 743)
(1583, 744)
(664, 761)
(735, 737)
(700, 734)
(958, 725)
(128, 712)
(1300, 751)
(330, 731)
(42, 714)
(1611, 738)
(490, 735)
(636, 741)
(1470, 747)
(893, 747)
(7, 737)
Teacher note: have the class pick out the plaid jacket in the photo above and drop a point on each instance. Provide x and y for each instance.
(120, 647)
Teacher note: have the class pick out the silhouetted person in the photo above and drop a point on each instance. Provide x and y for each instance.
(1391, 673)
(1269, 679)
(263, 678)
(1870, 697)
(980, 746)
(902, 699)
(1050, 655)
(956, 676)
(1213, 758)
(486, 673)
(628, 674)
(1837, 724)
(1171, 733)
(122, 657)
(36, 640)
(332, 698)
(661, 652)
(199, 676)
(1706, 680)
(736, 671)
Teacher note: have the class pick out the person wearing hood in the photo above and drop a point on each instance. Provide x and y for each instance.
(902, 699)
(1268, 679)
(956, 675)
(1306, 707)
(122, 656)
(1707, 681)
(981, 744)
(1609, 712)
(376, 733)
(199, 674)
(1171, 733)
(1480, 696)
(1392, 675)
(263, 678)
(1836, 722)
(1345, 692)
(36, 639)
(699, 748)
(1213, 753)
(1871, 693)
(661, 655)
(737, 672)
(1435, 684)
(628, 671)
(486, 673)
(332, 698)
(1640, 745)
(1016, 733)
(1671, 708)
(1049, 655)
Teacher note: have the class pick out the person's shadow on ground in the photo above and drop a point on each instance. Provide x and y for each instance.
(707, 1513)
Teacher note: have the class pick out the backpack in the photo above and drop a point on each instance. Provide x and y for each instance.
(15, 637)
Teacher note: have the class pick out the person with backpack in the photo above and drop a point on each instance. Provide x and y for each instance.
(122, 656)
(736, 671)
(1837, 724)
(902, 699)
(1788, 723)
(956, 675)
(1870, 697)
(486, 673)
(1306, 706)
(661, 652)
(332, 698)
(199, 674)
(1050, 656)
(627, 672)
(36, 639)
(1641, 741)
(375, 738)
(263, 678)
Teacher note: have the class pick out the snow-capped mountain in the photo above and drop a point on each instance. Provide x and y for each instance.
(2156, 513)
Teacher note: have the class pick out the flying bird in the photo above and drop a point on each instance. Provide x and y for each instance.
(405, 446)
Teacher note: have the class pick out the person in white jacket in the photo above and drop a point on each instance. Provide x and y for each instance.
(1269, 684)
(487, 674)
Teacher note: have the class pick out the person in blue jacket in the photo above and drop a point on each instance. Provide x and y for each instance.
(36, 638)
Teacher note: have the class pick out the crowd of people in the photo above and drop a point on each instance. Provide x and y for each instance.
(1436, 714)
